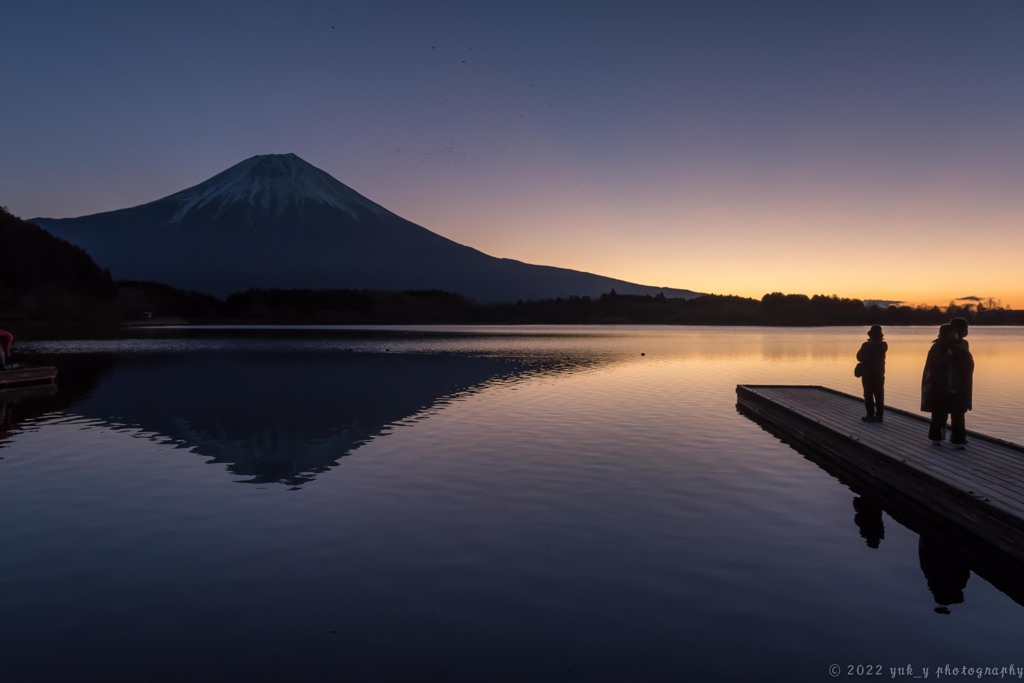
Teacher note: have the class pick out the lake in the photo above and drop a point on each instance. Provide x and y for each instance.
(476, 504)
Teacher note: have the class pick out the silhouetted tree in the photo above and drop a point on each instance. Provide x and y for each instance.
(44, 277)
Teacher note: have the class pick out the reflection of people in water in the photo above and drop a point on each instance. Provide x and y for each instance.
(945, 570)
(6, 421)
(868, 518)
(872, 360)
(946, 385)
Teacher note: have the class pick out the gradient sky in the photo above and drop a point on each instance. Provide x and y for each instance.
(868, 148)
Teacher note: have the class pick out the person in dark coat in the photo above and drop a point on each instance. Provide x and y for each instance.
(960, 327)
(946, 386)
(872, 360)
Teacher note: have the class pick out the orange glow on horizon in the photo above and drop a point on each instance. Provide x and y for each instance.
(911, 247)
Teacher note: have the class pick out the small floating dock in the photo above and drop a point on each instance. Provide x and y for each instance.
(981, 488)
(22, 377)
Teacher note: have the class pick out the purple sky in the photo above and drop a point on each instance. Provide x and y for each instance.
(856, 148)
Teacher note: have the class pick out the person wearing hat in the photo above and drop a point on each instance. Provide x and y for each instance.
(872, 373)
(960, 326)
(946, 386)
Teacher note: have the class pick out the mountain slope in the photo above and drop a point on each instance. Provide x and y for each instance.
(45, 277)
(275, 221)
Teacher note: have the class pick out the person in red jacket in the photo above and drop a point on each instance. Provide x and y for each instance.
(6, 342)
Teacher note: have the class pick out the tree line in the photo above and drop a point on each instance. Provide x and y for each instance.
(351, 306)
(44, 278)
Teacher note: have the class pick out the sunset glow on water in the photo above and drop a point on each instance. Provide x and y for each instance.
(476, 503)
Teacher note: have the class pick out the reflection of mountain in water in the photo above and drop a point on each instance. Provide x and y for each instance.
(276, 416)
(22, 405)
(19, 404)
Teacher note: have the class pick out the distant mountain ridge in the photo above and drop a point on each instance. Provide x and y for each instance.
(276, 221)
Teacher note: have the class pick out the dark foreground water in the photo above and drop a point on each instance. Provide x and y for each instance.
(496, 504)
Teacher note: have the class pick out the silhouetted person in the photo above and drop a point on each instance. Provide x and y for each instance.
(946, 385)
(868, 518)
(872, 360)
(966, 367)
(960, 327)
(6, 342)
(945, 571)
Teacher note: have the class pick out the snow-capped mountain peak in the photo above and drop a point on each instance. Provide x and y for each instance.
(272, 183)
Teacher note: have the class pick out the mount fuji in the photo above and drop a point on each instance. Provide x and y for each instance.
(276, 221)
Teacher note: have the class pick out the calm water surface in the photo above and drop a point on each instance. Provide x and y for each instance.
(475, 504)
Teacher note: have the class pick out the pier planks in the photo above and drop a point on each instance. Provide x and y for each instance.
(981, 488)
(26, 376)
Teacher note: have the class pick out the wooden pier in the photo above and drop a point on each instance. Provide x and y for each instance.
(980, 488)
(21, 377)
